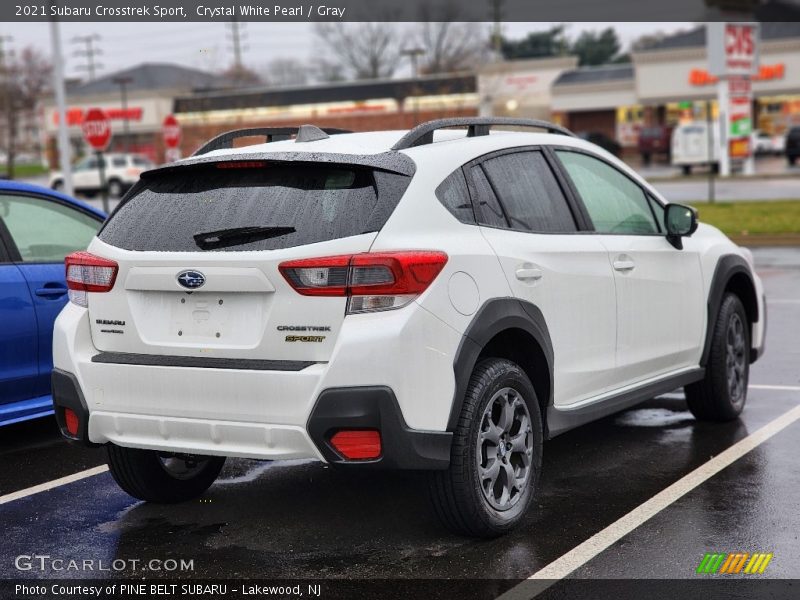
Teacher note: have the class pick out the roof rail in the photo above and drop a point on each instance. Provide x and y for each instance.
(272, 134)
(476, 126)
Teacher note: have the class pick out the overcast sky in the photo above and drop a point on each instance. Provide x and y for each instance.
(206, 45)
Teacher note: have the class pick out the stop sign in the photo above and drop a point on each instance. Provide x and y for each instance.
(96, 129)
(172, 131)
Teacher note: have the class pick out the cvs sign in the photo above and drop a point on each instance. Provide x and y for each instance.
(732, 48)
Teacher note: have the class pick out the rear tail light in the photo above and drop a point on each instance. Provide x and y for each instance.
(371, 281)
(71, 421)
(88, 273)
(357, 444)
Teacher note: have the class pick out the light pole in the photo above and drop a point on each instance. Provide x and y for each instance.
(123, 82)
(64, 150)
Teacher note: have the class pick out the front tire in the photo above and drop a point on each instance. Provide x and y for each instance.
(721, 395)
(161, 478)
(496, 455)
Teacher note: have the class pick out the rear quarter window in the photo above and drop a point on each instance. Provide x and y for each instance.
(295, 204)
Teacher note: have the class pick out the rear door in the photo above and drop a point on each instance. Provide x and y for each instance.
(18, 335)
(199, 249)
(658, 287)
(42, 231)
(548, 262)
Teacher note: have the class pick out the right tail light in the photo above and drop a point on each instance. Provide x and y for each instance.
(371, 281)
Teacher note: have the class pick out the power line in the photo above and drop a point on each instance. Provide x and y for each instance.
(90, 53)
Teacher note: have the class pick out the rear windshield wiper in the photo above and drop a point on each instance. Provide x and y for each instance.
(236, 236)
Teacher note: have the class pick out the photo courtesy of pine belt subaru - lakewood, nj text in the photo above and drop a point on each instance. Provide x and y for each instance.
(422, 300)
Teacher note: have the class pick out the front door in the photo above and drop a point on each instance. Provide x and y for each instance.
(658, 287)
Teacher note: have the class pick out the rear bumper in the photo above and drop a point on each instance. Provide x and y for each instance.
(396, 377)
(335, 409)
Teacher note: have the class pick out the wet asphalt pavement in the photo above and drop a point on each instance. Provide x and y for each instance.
(303, 520)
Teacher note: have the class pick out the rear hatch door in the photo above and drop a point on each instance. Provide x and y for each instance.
(199, 249)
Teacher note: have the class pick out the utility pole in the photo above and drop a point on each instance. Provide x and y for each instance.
(237, 37)
(123, 82)
(90, 53)
(6, 82)
(414, 54)
(64, 150)
(497, 29)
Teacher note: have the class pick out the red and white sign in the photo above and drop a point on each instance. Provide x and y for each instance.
(96, 129)
(732, 48)
(172, 131)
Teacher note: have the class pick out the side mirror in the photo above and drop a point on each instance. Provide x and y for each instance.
(680, 221)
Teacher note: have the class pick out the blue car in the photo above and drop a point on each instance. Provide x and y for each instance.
(38, 228)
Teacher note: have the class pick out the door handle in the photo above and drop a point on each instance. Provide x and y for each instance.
(54, 291)
(624, 264)
(528, 274)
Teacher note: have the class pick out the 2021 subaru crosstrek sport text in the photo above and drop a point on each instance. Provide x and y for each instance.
(405, 300)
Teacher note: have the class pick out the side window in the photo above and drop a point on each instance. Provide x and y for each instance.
(489, 211)
(529, 193)
(658, 211)
(453, 193)
(46, 231)
(615, 203)
(119, 162)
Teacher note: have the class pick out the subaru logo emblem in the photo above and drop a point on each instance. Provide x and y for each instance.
(191, 279)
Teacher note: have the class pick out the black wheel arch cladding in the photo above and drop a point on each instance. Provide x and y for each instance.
(495, 318)
(732, 274)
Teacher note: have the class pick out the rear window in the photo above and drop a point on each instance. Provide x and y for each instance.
(266, 206)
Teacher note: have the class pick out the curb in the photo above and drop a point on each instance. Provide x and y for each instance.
(780, 239)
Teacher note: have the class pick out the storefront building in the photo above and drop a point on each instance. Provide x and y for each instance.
(150, 91)
(521, 88)
(669, 83)
(356, 106)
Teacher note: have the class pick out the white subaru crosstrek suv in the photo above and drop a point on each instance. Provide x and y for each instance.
(403, 300)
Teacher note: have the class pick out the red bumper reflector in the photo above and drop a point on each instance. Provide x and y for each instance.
(357, 444)
(71, 420)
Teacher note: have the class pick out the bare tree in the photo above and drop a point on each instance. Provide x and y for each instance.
(451, 46)
(24, 82)
(364, 50)
(239, 75)
(285, 71)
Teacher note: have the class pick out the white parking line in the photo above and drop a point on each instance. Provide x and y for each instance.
(584, 552)
(49, 485)
(784, 388)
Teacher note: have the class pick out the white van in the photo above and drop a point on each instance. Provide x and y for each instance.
(690, 146)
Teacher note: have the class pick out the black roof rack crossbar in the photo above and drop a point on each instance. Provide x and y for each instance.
(476, 126)
(272, 134)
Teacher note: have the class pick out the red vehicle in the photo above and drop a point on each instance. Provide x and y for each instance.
(654, 140)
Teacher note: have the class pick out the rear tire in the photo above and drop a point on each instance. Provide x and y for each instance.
(157, 477)
(722, 394)
(686, 169)
(496, 455)
(115, 188)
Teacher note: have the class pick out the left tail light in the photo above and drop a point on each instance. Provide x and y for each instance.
(371, 281)
(89, 273)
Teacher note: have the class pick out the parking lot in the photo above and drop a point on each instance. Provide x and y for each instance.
(302, 520)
